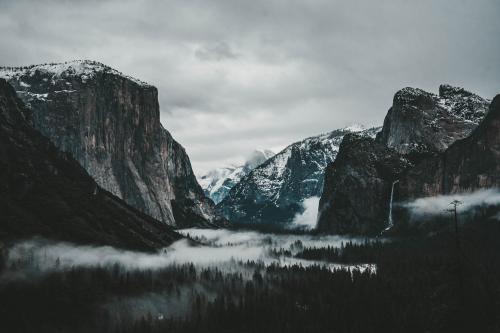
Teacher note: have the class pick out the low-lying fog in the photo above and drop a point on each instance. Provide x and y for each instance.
(223, 249)
(228, 252)
(232, 258)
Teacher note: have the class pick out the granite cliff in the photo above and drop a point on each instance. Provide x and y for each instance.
(360, 183)
(110, 123)
(469, 164)
(45, 192)
(358, 186)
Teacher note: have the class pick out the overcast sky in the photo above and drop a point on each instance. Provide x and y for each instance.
(236, 75)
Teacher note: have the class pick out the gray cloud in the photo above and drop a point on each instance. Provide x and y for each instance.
(234, 75)
(215, 52)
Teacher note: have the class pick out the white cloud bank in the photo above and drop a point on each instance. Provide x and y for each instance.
(224, 249)
(440, 204)
(308, 218)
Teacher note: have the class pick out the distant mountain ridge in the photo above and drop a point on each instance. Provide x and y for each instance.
(218, 182)
(110, 123)
(274, 191)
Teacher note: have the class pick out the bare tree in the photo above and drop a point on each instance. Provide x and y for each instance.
(455, 203)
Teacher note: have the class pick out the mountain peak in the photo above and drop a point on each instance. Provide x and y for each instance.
(420, 122)
(108, 122)
(74, 68)
(354, 128)
(413, 96)
(257, 157)
(218, 182)
(46, 187)
(275, 190)
(448, 91)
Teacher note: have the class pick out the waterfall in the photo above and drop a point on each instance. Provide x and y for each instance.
(390, 222)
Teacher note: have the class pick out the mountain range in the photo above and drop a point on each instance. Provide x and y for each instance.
(85, 158)
(273, 192)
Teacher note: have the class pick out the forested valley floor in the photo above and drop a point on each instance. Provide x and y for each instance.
(420, 284)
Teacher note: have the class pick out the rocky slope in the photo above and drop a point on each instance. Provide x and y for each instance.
(218, 182)
(45, 192)
(358, 187)
(421, 123)
(418, 126)
(467, 165)
(274, 191)
(111, 124)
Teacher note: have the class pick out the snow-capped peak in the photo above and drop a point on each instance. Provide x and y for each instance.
(257, 157)
(273, 192)
(354, 128)
(81, 68)
(218, 182)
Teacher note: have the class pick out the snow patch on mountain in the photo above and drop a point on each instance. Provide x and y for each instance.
(462, 104)
(275, 191)
(84, 69)
(355, 128)
(218, 182)
(314, 154)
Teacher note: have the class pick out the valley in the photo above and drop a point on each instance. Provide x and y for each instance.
(106, 228)
(248, 281)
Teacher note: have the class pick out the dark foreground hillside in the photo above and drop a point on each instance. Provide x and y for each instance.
(422, 284)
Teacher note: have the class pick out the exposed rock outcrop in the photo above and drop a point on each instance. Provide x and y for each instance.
(273, 193)
(111, 124)
(467, 165)
(357, 187)
(420, 123)
(418, 126)
(45, 192)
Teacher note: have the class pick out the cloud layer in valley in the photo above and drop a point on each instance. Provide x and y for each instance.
(213, 248)
(308, 218)
(234, 75)
(223, 251)
(441, 204)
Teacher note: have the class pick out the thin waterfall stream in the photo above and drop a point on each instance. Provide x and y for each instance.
(390, 221)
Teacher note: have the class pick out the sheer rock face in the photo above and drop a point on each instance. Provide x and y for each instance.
(274, 191)
(418, 126)
(421, 123)
(111, 124)
(45, 192)
(469, 164)
(357, 187)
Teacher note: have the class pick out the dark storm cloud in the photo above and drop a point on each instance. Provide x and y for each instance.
(236, 75)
